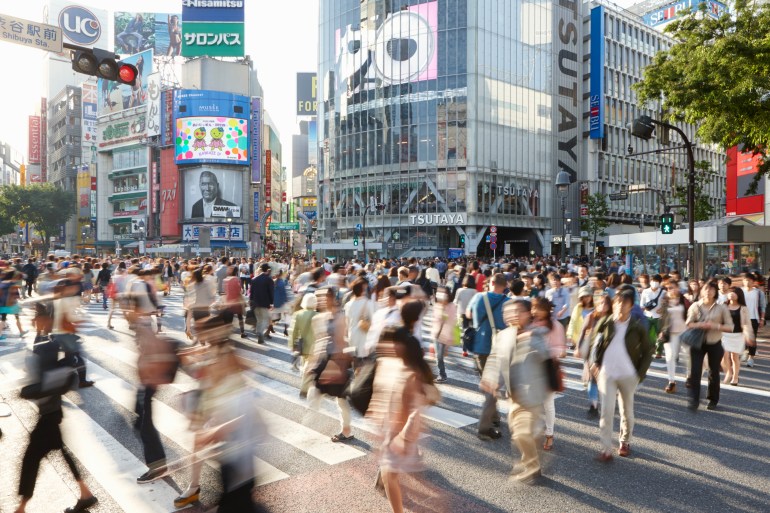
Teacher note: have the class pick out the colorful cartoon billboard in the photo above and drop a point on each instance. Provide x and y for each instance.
(212, 140)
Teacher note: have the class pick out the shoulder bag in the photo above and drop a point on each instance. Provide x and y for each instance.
(491, 318)
(694, 337)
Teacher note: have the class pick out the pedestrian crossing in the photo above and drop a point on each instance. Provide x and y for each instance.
(114, 464)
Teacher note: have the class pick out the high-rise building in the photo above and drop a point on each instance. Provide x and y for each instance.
(446, 118)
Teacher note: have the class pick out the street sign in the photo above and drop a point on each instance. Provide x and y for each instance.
(31, 33)
(493, 246)
(359, 227)
(493, 229)
(285, 227)
(493, 238)
(489, 239)
(619, 196)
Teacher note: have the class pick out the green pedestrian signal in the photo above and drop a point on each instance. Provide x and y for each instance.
(462, 240)
(667, 223)
(355, 241)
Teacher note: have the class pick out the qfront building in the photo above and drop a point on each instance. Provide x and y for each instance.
(444, 123)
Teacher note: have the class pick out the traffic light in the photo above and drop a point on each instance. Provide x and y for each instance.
(103, 64)
(355, 240)
(462, 240)
(667, 223)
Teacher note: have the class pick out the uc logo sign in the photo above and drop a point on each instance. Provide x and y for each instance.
(80, 25)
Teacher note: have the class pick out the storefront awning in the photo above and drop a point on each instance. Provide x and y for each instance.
(119, 220)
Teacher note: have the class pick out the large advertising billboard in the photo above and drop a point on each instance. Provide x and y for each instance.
(666, 13)
(210, 193)
(195, 103)
(81, 25)
(89, 137)
(213, 28)
(136, 32)
(115, 97)
(307, 94)
(742, 168)
(170, 197)
(212, 140)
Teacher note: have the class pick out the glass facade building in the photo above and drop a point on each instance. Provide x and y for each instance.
(441, 119)
(441, 111)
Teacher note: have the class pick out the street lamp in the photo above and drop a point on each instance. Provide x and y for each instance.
(229, 231)
(380, 207)
(562, 188)
(642, 127)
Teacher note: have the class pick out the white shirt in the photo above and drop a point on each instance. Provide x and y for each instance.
(433, 275)
(649, 295)
(752, 302)
(463, 298)
(616, 363)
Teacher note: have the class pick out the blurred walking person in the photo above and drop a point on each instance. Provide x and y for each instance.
(261, 296)
(402, 388)
(518, 358)
(553, 333)
(443, 332)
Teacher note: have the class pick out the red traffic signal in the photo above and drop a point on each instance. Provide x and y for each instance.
(103, 64)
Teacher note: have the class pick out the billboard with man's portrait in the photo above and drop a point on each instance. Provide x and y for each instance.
(211, 193)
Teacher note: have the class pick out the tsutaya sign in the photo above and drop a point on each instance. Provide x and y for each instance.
(450, 219)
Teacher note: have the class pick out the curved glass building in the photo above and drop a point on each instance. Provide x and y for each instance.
(440, 111)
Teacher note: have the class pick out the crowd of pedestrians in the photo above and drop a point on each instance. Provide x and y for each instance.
(356, 334)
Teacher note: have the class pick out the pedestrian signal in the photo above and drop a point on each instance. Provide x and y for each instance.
(667, 223)
(355, 241)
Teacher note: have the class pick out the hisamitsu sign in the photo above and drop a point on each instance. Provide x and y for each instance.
(30, 33)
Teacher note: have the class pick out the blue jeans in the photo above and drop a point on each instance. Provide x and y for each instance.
(440, 352)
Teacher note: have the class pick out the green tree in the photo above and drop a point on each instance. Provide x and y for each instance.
(45, 206)
(595, 221)
(704, 210)
(716, 77)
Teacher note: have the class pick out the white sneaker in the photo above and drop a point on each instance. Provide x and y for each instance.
(744, 357)
(750, 362)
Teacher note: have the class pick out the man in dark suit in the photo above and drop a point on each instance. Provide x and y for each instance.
(210, 196)
(261, 294)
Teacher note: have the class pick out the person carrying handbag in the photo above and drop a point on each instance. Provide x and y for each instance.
(672, 325)
(714, 318)
(487, 313)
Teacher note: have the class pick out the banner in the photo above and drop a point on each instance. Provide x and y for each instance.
(256, 206)
(596, 106)
(34, 140)
(89, 138)
(256, 140)
(153, 107)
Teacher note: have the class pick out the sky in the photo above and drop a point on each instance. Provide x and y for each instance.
(281, 38)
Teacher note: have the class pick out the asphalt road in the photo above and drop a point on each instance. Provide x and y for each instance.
(680, 462)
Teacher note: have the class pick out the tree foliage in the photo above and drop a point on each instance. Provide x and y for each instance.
(596, 220)
(704, 210)
(45, 206)
(717, 77)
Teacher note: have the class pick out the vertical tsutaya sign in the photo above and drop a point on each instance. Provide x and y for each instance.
(256, 140)
(34, 140)
(153, 107)
(567, 78)
(596, 119)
